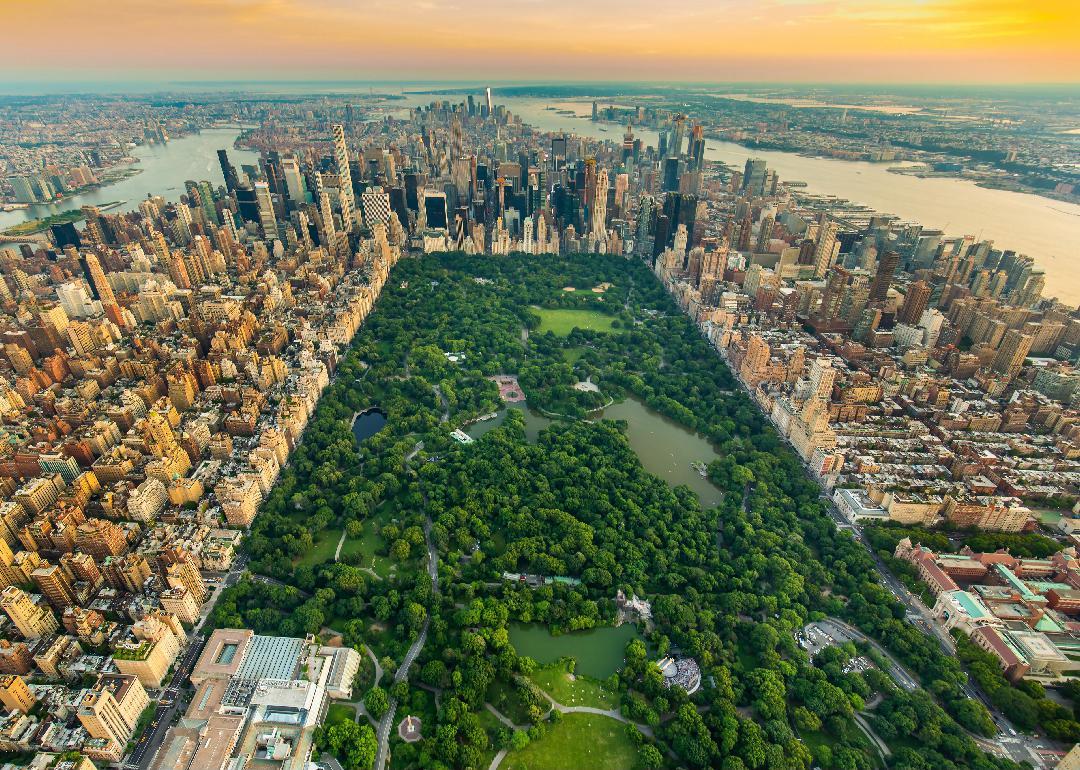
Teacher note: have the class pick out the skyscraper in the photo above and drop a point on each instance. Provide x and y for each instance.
(598, 218)
(294, 180)
(232, 181)
(697, 148)
(915, 303)
(1010, 356)
(754, 176)
(95, 276)
(345, 190)
(826, 248)
(267, 218)
(886, 268)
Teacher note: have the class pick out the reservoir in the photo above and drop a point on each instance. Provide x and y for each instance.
(599, 651)
(367, 423)
(667, 449)
(164, 169)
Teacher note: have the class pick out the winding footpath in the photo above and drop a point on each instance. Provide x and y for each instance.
(562, 709)
(382, 733)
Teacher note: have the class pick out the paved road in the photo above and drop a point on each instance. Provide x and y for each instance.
(169, 705)
(843, 632)
(1009, 742)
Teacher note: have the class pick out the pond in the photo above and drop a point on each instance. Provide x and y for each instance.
(367, 423)
(534, 422)
(666, 448)
(599, 651)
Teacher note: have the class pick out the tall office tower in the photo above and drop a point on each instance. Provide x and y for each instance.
(697, 148)
(294, 180)
(436, 212)
(1010, 356)
(206, 202)
(915, 303)
(376, 204)
(267, 218)
(598, 218)
(681, 209)
(246, 203)
(628, 144)
(24, 189)
(95, 276)
(32, 620)
(754, 176)
(345, 188)
(672, 172)
(326, 219)
(232, 181)
(487, 96)
(589, 183)
(886, 269)
(825, 250)
(646, 205)
(678, 127)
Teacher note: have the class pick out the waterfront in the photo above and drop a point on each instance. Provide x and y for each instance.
(1043, 228)
(599, 652)
(665, 448)
(164, 169)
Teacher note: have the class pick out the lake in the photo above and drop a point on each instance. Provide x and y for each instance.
(599, 651)
(666, 448)
(367, 423)
(534, 422)
(165, 168)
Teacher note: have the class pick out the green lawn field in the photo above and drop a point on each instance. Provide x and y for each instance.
(561, 320)
(578, 741)
(573, 690)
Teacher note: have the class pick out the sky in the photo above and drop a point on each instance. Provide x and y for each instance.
(864, 41)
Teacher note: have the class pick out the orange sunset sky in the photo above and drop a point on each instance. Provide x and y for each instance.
(718, 40)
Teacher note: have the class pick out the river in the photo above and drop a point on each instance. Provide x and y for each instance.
(165, 168)
(1045, 229)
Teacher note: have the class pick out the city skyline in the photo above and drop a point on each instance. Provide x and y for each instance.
(939, 41)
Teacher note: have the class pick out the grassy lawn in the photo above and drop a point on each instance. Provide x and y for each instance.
(325, 543)
(573, 690)
(561, 320)
(578, 740)
(367, 545)
(339, 712)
